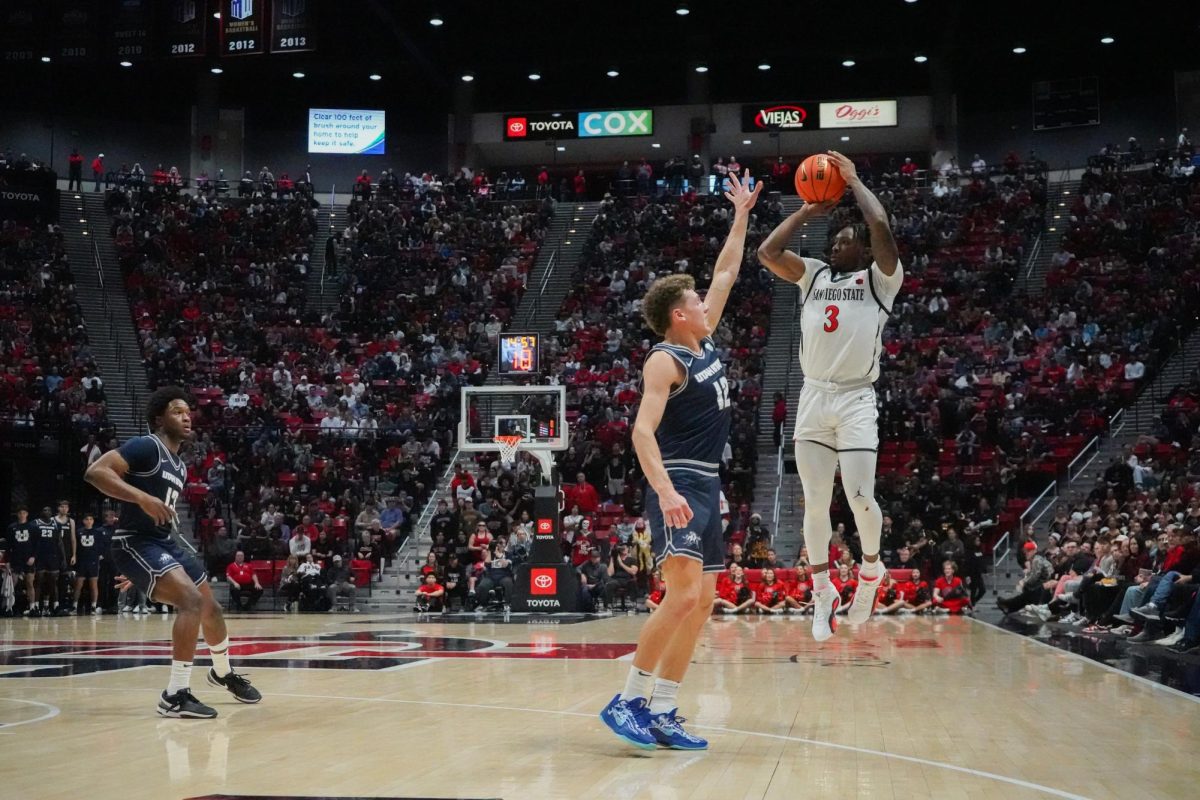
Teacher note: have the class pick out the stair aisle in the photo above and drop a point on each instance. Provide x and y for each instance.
(321, 289)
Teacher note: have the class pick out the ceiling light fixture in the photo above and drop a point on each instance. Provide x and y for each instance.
(745, 141)
(126, 63)
(297, 74)
(764, 66)
(375, 76)
(682, 10)
(1107, 40)
(437, 21)
(561, 149)
(701, 68)
(535, 76)
(656, 145)
(216, 15)
(612, 73)
(1019, 50)
(920, 59)
(845, 138)
(468, 77)
(216, 70)
(849, 62)
(45, 59)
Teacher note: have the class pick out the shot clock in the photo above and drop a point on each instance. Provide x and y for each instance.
(520, 354)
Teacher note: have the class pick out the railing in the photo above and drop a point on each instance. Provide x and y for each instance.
(794, 317)
(325, 262)
(1003, 546)
(1094, 448)
(1031, 262)
(536, 307)
(404, 555)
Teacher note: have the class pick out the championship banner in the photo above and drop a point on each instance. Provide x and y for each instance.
(131, 29)
(22, 30)
(293, 26)
(76, 27)
(182, 25)
(243, 27)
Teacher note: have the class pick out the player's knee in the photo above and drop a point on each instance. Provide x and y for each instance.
(189, 602)
(686, 598)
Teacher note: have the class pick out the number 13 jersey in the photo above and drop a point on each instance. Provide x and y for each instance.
(695, 422)
(156, 471)
(842, 315)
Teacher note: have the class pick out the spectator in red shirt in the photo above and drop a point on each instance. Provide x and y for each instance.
(580, 186)
(463, 484)
(75, 170)
(889, 600)
(771, 598)
(949, 594)
(845, 584)
(917, 597)
(98, 169)
(799, 594)
(362, 185)
(481, 539)
(244, 588)
(734, 595)
(781, 174)
(779, 417)
(430, 595)
(584, 495)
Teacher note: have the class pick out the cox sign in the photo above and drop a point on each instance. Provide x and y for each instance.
(635, 122)
(859, 114)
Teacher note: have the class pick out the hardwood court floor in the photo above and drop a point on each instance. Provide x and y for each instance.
(370, 706)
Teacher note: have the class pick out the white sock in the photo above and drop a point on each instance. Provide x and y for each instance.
(181, 676)
(220, 657)
(821, 581)
(638, 684)
(663, 700)
(869, 571)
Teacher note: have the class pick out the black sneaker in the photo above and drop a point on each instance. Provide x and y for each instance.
(183, 705)
(238, 686)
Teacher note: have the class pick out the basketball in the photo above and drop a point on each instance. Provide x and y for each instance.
(819, 180)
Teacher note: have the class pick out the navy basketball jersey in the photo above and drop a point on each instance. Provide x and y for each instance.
(20, 541)
(695, 423)
(49, 536)
(156, 471)
(91, 544)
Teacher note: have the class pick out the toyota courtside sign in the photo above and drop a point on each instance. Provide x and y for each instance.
(778, 117)
(543, 581)
(859, 114)
(578, 124)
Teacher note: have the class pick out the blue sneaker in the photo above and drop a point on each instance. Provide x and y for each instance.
(667, 731)
(627, 719)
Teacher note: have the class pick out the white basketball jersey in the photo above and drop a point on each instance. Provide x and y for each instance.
(841, 321)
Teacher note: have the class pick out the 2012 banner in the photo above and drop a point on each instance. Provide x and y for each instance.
(243, 27)
(182, 25)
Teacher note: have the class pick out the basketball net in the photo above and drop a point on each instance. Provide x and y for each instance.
(509, 444)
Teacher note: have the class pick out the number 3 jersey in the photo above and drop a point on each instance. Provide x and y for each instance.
(842, 315)
(156, 471)
(695, 422)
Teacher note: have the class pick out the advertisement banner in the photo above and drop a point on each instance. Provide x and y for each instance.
(27, 203)
(636, 122)
(130, 29)
(578, 124)
(763, 117)
(76, 27)
(22, 31)
(347, 131)
(182, 25)
(243, 27)
(539, 127)
(293, 26)
(859, 114)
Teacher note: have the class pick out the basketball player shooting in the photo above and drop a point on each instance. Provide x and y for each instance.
(681, 428)
(844, 306)
(146, 474)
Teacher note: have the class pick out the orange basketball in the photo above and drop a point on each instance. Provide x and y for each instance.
(818, 180)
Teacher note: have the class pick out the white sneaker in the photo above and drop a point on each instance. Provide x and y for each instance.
(825, 607)
(126, 609)
(863, 604)
(1174, 639)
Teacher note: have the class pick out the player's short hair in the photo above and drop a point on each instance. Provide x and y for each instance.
(662, 296)
(160, 398)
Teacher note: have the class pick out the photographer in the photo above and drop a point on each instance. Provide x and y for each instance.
(622, 574)
(593, 575)
(497, 574)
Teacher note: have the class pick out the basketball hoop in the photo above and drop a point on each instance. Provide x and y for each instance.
(509, 444)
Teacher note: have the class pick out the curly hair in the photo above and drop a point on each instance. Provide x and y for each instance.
(663, 296)
(160, 399)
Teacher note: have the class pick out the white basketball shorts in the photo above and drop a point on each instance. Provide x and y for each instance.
(842, 421)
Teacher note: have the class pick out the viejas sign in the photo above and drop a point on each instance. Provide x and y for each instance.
(859, 114)
(578, 125)
(778, 117)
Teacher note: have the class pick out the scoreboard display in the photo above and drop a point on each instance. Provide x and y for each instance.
(520, 354)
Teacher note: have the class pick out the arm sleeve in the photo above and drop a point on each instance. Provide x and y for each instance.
(140, 453)
(811, 267)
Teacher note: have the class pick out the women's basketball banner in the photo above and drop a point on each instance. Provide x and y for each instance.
(293, 26)
(243, 27)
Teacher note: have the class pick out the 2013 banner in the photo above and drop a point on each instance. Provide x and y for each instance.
(293, 26)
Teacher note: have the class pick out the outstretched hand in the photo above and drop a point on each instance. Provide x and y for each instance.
(845, 166)
(738, 192)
